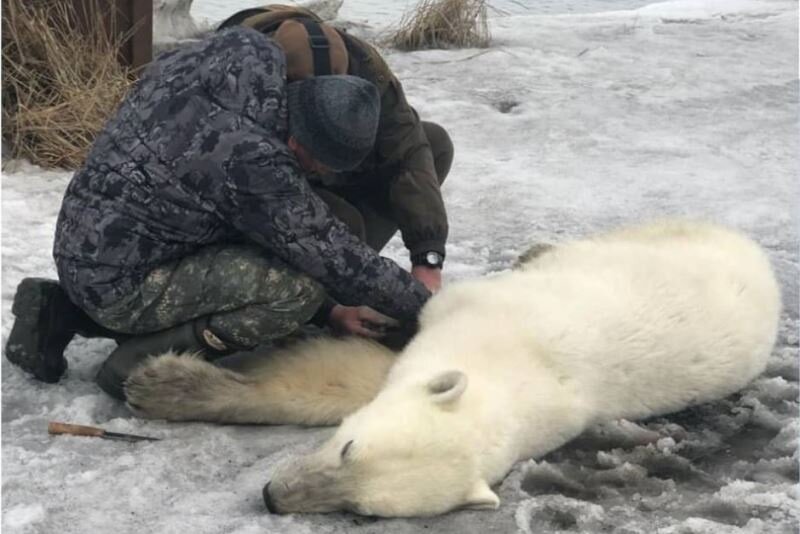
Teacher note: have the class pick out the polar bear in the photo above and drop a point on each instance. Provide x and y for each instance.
(635, 323)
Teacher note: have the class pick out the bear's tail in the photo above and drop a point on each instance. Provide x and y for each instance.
(315, 382)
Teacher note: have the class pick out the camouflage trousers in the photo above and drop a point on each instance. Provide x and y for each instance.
(248, 296)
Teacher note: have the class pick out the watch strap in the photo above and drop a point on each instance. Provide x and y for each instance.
(422, 259)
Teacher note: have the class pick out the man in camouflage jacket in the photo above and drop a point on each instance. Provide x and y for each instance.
(398, 184)
(192, 226)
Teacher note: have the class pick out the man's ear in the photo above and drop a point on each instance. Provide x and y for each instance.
(482, 498)
(447, 387)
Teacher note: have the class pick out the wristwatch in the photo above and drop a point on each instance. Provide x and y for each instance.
(430, 259)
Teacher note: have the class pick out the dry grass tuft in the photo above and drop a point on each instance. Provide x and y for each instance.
(443, 24)
(59, 85)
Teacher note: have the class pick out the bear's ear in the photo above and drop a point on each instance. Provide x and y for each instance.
(447, 387)
(482, 498)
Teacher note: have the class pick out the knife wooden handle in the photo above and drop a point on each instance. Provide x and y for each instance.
(74, 430)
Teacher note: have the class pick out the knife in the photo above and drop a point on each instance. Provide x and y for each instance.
(55, 428)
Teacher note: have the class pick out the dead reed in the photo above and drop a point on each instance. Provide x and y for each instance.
(59, 84)
(443, 24)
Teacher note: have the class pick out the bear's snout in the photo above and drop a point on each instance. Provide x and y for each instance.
(268, 498)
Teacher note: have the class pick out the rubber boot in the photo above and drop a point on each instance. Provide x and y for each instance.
(194, 336)
(46, 321)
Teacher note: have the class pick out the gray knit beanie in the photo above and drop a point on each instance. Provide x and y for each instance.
(335, 118)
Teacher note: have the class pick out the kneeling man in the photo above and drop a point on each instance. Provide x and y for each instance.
(192, 226)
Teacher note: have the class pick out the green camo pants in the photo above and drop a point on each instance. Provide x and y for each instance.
(249, 296)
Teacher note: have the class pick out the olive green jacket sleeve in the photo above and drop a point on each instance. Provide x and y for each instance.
(414, 195)
(402, 155)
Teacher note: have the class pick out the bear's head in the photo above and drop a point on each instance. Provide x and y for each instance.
(410, 452)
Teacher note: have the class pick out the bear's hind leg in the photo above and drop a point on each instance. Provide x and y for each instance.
(316, 382)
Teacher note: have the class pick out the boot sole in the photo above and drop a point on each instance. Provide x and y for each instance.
(29, 304)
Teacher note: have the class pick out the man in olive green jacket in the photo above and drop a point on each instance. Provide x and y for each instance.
(398, 184)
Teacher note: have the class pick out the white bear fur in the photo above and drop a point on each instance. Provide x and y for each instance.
(316, 382)
(639, 322)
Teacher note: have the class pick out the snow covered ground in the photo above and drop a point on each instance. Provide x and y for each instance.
(582, 115)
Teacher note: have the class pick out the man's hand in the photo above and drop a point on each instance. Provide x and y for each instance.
(429, 276)
(360, 321)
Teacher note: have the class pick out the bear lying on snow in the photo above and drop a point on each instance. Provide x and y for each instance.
(635, 323)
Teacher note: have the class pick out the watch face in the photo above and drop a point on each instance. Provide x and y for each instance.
(433, 258)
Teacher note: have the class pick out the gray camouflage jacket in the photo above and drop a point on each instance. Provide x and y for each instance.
(196, 155)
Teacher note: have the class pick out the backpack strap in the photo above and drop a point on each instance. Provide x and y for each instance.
(320, 47)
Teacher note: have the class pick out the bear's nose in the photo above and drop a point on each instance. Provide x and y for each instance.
(268, 499)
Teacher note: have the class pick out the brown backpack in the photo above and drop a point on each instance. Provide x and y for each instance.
(361, 58)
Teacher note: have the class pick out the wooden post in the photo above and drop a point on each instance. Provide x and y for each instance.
(130, 18)
(137, 16)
